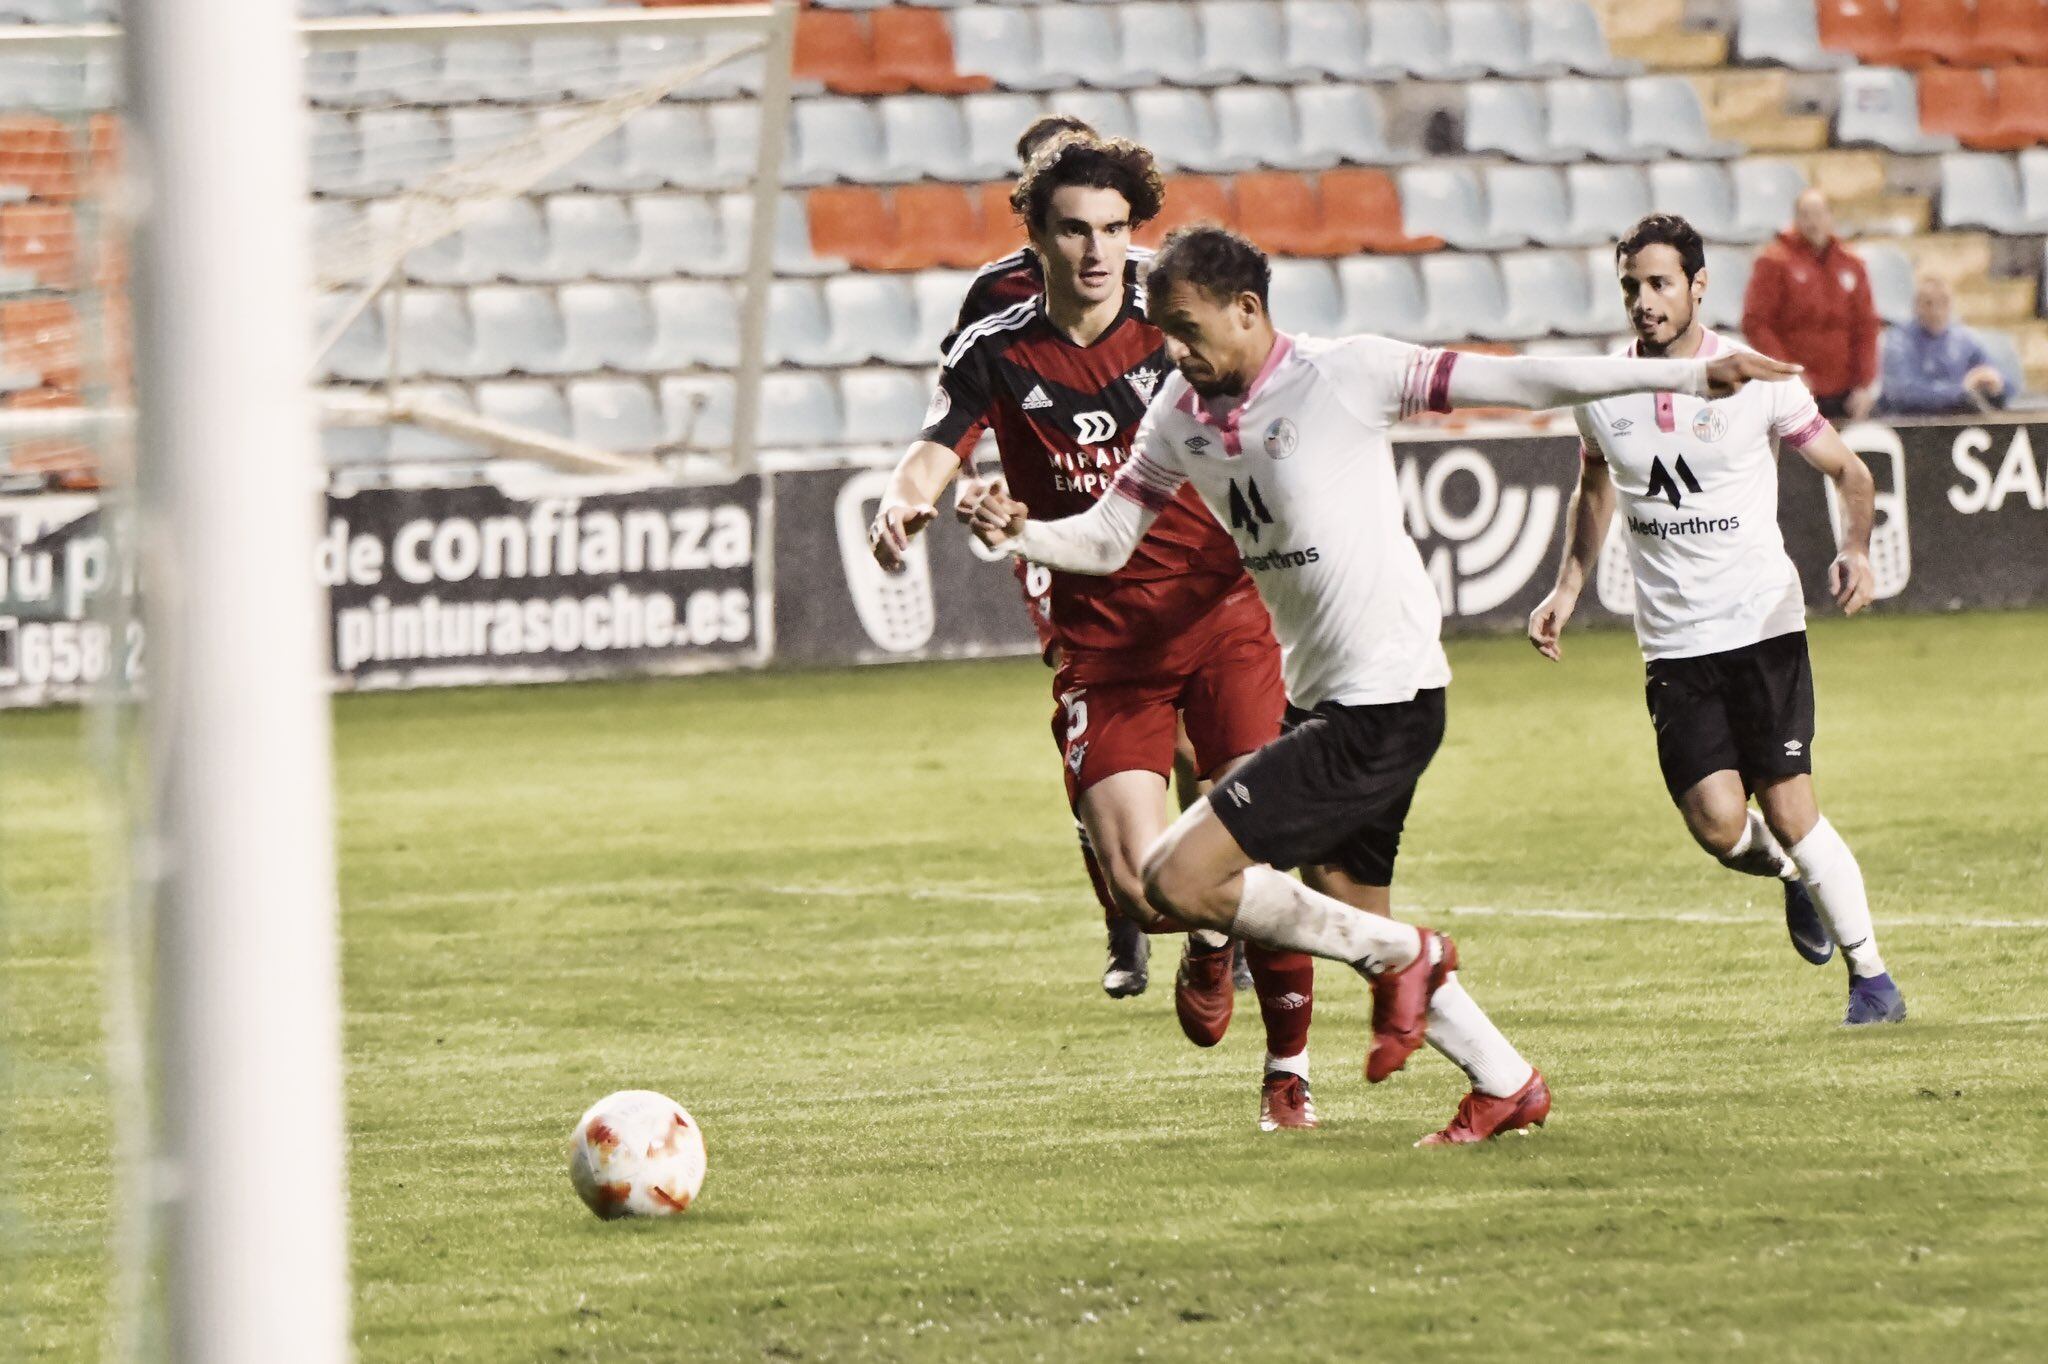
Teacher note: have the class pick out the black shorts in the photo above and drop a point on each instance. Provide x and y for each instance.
(1748, 710)
(1334, 788)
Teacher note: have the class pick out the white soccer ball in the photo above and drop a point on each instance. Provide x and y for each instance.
(637, 1154)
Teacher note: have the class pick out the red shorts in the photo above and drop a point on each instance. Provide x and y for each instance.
(1221, 676)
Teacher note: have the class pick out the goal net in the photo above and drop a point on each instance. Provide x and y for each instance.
(537, 236)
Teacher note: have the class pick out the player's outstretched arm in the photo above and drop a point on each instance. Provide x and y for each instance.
(1537, 382)
(920, 476)
(1850, 578)
(1098, 542)
(1591, 509)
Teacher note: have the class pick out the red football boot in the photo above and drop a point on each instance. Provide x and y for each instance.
(1284, 1102)
(1400, 1004)
(1203, 995)
(1482, 1116)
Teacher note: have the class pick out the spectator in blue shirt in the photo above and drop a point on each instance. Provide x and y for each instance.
(1932, 365)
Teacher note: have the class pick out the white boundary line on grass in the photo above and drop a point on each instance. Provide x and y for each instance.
(984, 895)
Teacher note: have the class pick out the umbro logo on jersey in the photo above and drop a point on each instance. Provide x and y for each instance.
(1197, 444)
(1621, 426)
(1240, 794)
(1036, 398)
(1662, 484)
(1077, 755)
(1145, 382)
(1094, 428)
(1792, 747)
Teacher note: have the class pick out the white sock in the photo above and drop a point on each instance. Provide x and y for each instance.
(1836, 884)
(1209, 938)
(1296, 1064)
(1460, 1029)
(1756, 853)
(1275, 910)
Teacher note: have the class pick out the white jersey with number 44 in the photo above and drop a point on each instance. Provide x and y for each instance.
(1696, 488)
(1301, 473)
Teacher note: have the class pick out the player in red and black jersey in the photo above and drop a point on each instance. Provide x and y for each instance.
(1063, 380)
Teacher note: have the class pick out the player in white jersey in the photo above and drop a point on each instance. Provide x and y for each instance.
(1286, 441)
(1719, 610)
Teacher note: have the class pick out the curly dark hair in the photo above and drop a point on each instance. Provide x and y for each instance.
(1044, 129)
(1213, 259)
(1095, 162)
(1665, 229)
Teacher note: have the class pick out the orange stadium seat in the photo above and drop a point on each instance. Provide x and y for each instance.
(1957, 103)
(915, 46)
(2011, 31)
(1934, 31)
(71, 462)
(40, 337)
(1280, 211)
(40, 238)
(837, 48)
(1001, 233)
(2021, 106)
(1867, 28)
(1362, 211)
(852, 223)
(936, 225)
(1189, 199)
(37, 155)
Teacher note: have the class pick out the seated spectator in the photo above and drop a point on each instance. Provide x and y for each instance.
(1932, 365)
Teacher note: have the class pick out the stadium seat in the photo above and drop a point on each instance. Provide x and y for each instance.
(1304, 299)
(1877, 106)
(1866, 29)
(508, 240)
(1181, 130)
(1566, 35)
(1106, 111)
(347, 447)
(1764, 191)
(334, 152)
(2033, 171)
(936, 295)
(525, 402)
(1090, 47)
(2010, 31)
(1504, 117)
(612, 323)
(1783, 33)
(935, 225)
(1527, 203)
(679, 234)
(792, 242)
(2020, 107)
(400, 148)
(1002, 42)
(2005, 357)
(696, 411)
(696, 322)
(1343, 123)
(436, 336)
(1728, 270)
(1255, 126)
(1959, 103)
(1982, 189)
(1161, 40)
(837, 51)
(1604, 201)
(1362, 211)
(363, 352)
(837, 139)
(1001, 233)
(1547, 291)
(1411, 37)
(37, 158)
(614, 414)
(1891, 280)
(880, 406)
(520, 331)
(799, 411)
(1245, 38)
(1383, 296)
(41, 240)
(1665, 117)
(1932, 31)
(799, 329)
(1446, 201)
(590, 236)
(1189, 199)
(993, 123)
(924, 137)
(1466, 299)
(1280, 211)
(492, 69)
(1492, 35)
(1698, 192)
(1328, 37)
(1588, 118)
(913, 45)
(852, 223)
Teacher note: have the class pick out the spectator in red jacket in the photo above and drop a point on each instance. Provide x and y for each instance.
(1809, 302)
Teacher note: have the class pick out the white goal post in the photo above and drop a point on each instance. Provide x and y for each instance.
(369, 267)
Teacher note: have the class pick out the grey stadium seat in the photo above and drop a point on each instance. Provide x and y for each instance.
(1329, 37)
(1181, 129)
(1588, 118)
(1161, 41)
(1879, 107)
(611, 323)
(696, 411)
(1527, 203)
(1305, 298)
(1665, 117)
(1342, 123)
(525, 402)
(882, 406)
(1382, 294)
(1089, 44)
(1891, 280)
(1548, 291)
(1411, 36)
(1447, 201)
(436, 336)
(1698, 192)
(1501, 116)
(1784, 32)
(1492, 35)
(1605, 200)
(1248, 39)
(874, 317)
(1982, 189)
(614, 414)
(696, 323)
(924, 137)
(1466, 299)
(1566, 35)
(799, 411)
(1765, 191)
(1002, 42)
(993, 122)
(1255, 126)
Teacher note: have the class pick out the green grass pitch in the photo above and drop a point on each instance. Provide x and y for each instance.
(839, 916)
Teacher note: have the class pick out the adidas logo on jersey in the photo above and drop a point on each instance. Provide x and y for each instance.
(1036, 398)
